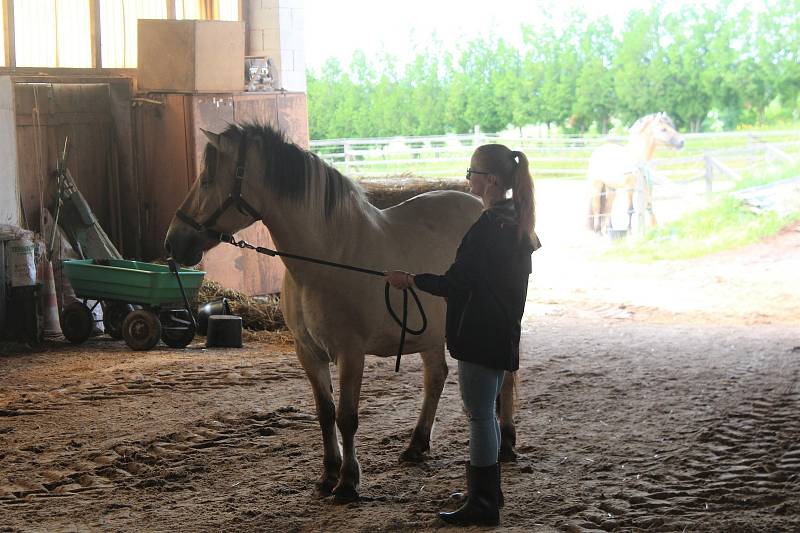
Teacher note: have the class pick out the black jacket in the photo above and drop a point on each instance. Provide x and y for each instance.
(485, 289)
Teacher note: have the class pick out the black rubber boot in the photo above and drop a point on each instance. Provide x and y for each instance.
(483, 494)
(461, 497)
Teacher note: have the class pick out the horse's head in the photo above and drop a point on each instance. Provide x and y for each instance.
(221, 201)
(664, 132)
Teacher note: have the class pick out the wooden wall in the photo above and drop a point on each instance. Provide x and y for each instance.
(170, 146)
(96, 118)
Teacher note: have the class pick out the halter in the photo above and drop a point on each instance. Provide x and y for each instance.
(234, 199)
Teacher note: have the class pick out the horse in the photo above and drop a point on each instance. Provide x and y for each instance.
(613, 167)
(335, 316)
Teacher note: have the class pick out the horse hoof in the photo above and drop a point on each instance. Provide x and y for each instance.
(411, 455)
(324, 487)
(344, 494)
(507, 455)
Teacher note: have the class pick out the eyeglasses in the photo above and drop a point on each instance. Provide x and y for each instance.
(470, 172)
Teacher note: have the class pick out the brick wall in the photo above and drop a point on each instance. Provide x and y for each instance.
(275, 29)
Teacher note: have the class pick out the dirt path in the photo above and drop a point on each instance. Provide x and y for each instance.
(660, 398)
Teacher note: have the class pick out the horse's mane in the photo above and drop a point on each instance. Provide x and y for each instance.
(639, 125)
(297, 175)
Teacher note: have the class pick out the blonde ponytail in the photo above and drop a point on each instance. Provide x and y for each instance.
(512, 169)
(522, 193)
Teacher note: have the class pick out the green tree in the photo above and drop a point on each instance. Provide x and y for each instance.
(634, 78)
(684, 62)
(595, 99)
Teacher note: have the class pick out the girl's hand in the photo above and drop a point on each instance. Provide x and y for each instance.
(399, 279)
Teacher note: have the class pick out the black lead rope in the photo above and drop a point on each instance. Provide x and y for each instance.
(403, 323)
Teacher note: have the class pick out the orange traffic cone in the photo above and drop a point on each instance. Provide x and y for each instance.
(51, 327)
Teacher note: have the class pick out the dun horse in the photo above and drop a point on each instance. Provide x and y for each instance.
(336, 316)
(613, 167)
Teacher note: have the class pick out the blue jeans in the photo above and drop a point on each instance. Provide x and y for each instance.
(479, 386)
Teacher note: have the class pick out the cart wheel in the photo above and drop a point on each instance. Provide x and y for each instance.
(77, 322)
(114, 314)
(141, 329)
(177, 337)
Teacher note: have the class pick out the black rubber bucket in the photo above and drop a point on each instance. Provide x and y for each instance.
(218, 307)
(224, 331)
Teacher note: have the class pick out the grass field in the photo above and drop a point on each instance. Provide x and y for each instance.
(725, 224)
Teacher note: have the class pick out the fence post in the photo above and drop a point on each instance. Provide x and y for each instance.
(640, 199)
(709, 176)
(345, 150)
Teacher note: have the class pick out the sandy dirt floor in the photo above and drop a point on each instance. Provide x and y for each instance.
(651, 398)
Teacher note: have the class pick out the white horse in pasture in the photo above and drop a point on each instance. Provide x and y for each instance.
(624, 168)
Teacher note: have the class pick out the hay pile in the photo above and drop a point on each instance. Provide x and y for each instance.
(257, 313)
(386, 192)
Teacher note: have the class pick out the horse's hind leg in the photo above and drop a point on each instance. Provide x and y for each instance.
(435, 369)
(351, 370)
(505, 414)
(319, 375)
(607, 210)
(596, 206)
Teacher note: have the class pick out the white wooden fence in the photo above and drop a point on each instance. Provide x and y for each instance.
(731, 153)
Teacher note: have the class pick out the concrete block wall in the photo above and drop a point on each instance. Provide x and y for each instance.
(9, 189)
(275, 29)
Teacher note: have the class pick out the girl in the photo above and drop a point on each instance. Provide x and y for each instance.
(485, 289)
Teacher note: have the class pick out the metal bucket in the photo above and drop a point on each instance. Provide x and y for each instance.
(218, 307)
(617, 234)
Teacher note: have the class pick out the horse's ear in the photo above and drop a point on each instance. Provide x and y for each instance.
(213, 138)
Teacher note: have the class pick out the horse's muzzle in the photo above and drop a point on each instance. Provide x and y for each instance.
(186, 246)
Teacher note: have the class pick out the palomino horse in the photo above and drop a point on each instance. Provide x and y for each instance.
(336, 316)
(613, 167)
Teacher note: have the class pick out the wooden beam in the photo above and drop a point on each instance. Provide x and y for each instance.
(70, 75)
(170, 9)
(94, 24)
(8, 33)
(243, 16)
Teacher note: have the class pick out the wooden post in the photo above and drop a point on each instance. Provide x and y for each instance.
(8, 33)
(640, 196)
(709, 176)
(94, 25)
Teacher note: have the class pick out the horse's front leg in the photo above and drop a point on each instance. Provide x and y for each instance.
(351, 371)
(631, 209)
(596, 206)
(505, 414)
(435, 369)
(319, 375)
